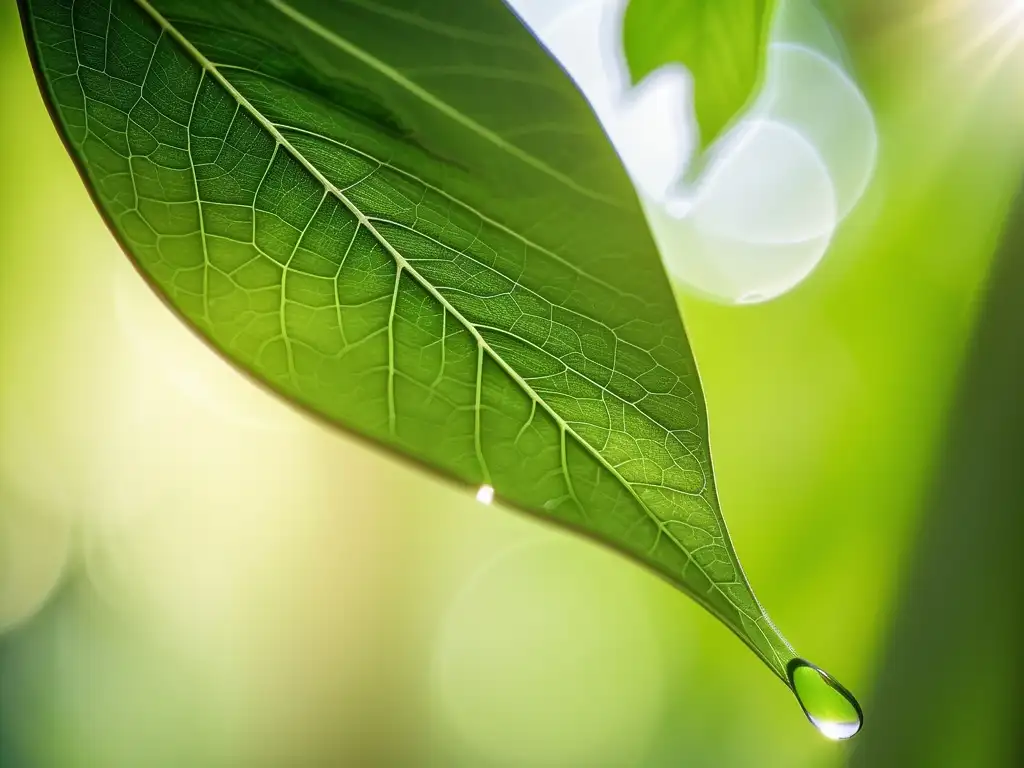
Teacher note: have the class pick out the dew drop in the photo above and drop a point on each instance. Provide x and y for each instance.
(828, 705)
(485, 494)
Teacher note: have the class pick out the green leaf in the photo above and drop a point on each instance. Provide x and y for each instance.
(722, 42)
(404, 218)
(949, 685)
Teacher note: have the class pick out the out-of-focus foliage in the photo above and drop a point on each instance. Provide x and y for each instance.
(959, 703)
(721, 42)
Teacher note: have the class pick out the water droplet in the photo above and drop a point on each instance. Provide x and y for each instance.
(828, 705)
(485, 495)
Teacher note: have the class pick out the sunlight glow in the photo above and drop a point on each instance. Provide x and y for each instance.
(983, 37)
(967, 52)
(999, 34)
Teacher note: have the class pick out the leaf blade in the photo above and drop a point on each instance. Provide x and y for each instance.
(325, 235)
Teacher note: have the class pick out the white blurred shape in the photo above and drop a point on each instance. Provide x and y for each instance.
(649, 131)
(539, 14)
(813, 94)
(760, 221)
(515, 660)
(584, 37)
(648, 124)
(766, 185)
(714, 266)
(776, 186)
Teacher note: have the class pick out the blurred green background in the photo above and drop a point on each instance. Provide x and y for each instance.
(193, 574)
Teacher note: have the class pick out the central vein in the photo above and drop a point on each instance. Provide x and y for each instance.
(403, 265)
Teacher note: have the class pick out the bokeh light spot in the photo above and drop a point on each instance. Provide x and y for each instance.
(548, 657)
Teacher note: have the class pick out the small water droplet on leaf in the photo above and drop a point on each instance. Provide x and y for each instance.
(485, 495)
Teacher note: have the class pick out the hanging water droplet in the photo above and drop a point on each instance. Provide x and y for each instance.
(828, 705)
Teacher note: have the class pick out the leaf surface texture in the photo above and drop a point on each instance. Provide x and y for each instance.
(403, 217)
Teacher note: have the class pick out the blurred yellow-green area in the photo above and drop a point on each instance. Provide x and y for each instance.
(194, 574)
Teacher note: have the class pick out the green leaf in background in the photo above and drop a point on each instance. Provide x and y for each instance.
(405, 219)
(949, 688)
(721, 42)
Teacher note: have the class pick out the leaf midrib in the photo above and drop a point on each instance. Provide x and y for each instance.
(403, 265)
